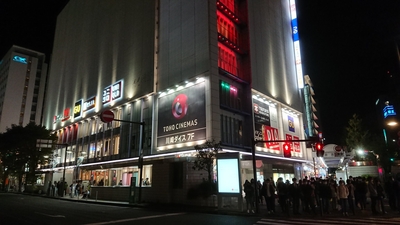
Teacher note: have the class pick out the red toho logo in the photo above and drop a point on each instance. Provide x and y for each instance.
(179, 106)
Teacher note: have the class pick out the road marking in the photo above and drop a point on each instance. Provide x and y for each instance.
(138, 218)
(44, 214)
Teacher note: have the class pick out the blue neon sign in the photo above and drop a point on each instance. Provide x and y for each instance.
(20, 59)
(388, 111)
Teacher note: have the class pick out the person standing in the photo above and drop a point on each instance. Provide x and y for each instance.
(249, 196)
(294, 194)
(350, 198)
(373, 194)
(380, 195)
(269, 196)
(326, 196)
(342, 194)
(281, 189)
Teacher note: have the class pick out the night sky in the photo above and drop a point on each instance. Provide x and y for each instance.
(347, 50)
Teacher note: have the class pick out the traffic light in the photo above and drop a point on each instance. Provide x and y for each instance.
(319, 149)
(287, 150)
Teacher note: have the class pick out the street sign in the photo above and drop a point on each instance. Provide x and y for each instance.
(107, 116)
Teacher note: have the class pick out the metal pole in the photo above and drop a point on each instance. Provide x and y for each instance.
(141, 162)
(253, 152)
(63, 179)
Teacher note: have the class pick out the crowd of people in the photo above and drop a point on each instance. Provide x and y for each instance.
(77, 188)
(317, 195)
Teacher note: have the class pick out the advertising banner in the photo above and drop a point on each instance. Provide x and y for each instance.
(265, 124)
(182, 116)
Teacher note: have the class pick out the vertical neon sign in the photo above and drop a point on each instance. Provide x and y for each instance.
(296, 44)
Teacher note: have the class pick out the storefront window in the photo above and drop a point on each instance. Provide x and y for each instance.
(121, 176)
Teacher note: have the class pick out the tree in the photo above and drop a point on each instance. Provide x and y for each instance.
(18, 151)
(356, 135)
(206, 154)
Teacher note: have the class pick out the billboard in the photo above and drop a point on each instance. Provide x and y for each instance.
(182, 116)
(265, 124)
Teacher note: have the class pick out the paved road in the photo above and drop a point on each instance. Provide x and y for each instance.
(17, 209)
(27, 209)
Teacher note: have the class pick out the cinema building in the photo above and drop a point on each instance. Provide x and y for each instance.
(190, 71)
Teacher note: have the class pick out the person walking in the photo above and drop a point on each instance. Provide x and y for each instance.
(342, 194)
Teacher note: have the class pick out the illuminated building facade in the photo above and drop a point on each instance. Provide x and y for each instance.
(22, 81)
(191, 70)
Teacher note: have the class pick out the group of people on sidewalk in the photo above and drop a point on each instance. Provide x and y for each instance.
(77, 188)
(327, 195)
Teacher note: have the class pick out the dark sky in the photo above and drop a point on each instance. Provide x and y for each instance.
(29, 24)
(347, 50)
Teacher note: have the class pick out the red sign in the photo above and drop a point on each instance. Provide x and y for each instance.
(271, 134)
(107, 116)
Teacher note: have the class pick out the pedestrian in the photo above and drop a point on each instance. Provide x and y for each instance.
(342, 194)
(326, 196)
(373, 194)
(269, 196)
(380, 195)
(333, 187)
(249, 196)
(294, 195)
(350, 198)
(281, 190)
(390, 192)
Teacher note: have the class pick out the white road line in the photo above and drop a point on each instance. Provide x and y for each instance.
(138, 218)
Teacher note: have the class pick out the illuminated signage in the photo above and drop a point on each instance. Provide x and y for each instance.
(66, 114)
(62, 117)
(112, 92)
(388, 111)
(181, 116)
(57, 118)
(78, 109)
(20, 59)
(296, 44)
(89, 104)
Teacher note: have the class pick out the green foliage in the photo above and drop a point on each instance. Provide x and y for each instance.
(18, 151)
(206, 154)
(356, 135)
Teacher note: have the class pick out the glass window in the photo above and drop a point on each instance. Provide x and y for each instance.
(92, 150)
(115, 145)
(99, 148)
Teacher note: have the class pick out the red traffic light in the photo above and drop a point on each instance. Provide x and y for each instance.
(319, 146)
(287, 150)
